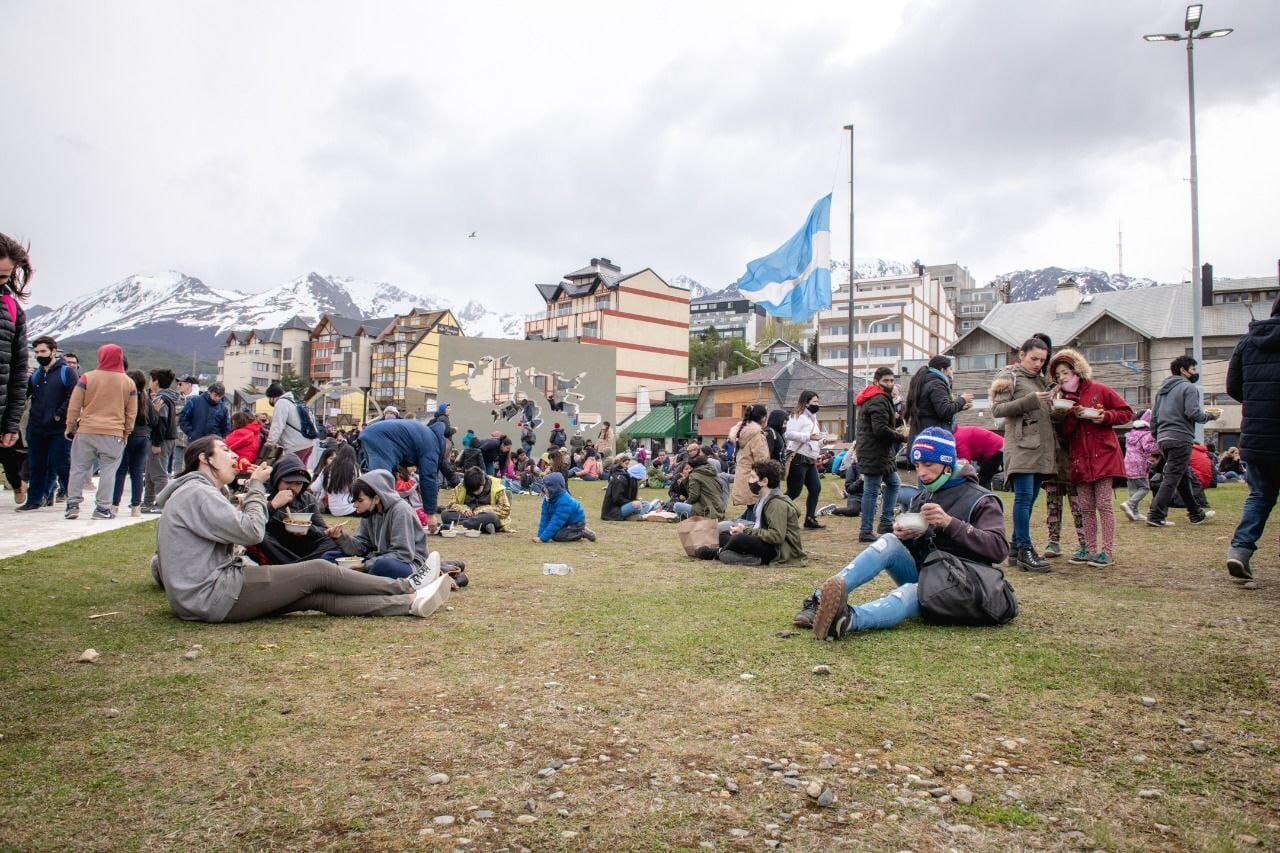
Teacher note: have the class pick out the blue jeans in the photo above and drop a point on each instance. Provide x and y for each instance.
(1264, 485)
(1026, 488)
(385, 566)
(871, 491)
(886, 554)
(134, 463)
(49, 459)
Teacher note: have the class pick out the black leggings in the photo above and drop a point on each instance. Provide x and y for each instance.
(804, 474)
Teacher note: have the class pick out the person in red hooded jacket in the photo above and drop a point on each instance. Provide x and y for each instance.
(1094, 450)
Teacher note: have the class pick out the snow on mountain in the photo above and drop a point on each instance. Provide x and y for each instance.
(1026, 285)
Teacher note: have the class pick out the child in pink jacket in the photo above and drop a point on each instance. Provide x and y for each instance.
(1139, 445)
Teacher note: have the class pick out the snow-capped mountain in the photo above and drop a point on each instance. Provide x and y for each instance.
(1025, 285)
(178, 312)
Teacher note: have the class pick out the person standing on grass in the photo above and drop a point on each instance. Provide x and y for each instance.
(136, 450)
(1021, 396)
(199, 560)
(1139, 446)
(1093, 449)
(100, 417)
(878, 434)
(1253, 379)
(983, 449)
(286, 425)
(804, 442)
(749, 438)
(1174, 416)
(206, 414)
(49, 390)
(15, 276)
(562, 518)
(166, 404)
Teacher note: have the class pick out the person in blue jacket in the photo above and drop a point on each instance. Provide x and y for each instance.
(206, 414)
(389, 444)
(563, 519)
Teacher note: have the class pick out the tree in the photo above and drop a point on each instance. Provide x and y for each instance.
(291, 381)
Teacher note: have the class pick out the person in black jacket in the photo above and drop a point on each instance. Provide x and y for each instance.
(15, 276)
(929, 399)
(1253, 378)
(877, 436)
(48, 451)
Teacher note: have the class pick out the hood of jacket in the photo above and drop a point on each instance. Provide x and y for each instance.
(1074, 360)
(554, 485)
(867, 393)
(111, 357)
(1265, 334)
(381, 481)
(288, 465)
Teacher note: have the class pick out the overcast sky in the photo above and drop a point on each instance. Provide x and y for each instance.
(247, 143)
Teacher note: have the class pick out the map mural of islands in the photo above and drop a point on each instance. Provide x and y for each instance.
(499, 384)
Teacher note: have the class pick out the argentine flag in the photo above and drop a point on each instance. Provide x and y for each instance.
(795, 281)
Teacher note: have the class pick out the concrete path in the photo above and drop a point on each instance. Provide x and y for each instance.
(30, 531)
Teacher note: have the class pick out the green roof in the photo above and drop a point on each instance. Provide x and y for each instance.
(660, 423)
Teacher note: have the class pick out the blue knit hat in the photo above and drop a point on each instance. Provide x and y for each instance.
(934, 444)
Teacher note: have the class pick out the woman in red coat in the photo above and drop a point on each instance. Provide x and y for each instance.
(245, 439)
(1094, 450)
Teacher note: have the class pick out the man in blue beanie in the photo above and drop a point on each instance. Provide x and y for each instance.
(961, 518)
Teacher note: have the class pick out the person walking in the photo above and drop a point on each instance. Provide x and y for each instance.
(1093, 449)
(166, 404)
(1138, 449)
(878, 434)
(15, 277)
(288, 427)
(930, 401)
(804, 442)
(100, 417)
(137, 449)
(1174, 416)
(1020, 395)
(206, 414)
(49, 390)
(1253, 379)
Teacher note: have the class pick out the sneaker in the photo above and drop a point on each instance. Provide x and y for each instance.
(1030, 561)
(135, 512)
(1208, 514)
(833, 603)
(826, 510)
(1053, 550)
(73, 511)
(812, 524)
(808, 610)
(431, 597)
(1129, 511)
(27, 507)
(103, 514)
(867, 537)
(733, 558)
(488, 528)
(1101, 561)
(1238, 563)
(588, 534)
(1159, 522)
(1080, 557)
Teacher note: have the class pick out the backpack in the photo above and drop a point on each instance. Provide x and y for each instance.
(307, 423)
(955, 591)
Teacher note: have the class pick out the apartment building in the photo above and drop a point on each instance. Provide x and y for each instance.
(731, 316)
(405, 369)
(897, 319)
(257, 357)
(639, 314)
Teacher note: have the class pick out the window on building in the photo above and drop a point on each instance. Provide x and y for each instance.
(1110, 353)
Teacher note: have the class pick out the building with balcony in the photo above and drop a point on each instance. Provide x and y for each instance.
(639, 314)
(257, 357)
(897, 319)
(731, 317)
(405, 369)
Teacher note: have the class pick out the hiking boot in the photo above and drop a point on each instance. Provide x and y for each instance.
(833, 603)
(706, 552)
(808, 610)
(1030, 561)
(1159, 522)
(27, 507)
(1101, 561)
(588, 534)
(1080, 557)
(1238, 563)
(1208, 514)
(733, 558)
(73, 511)
(812, 524)
(826, 510)
(490, 529)
(1130, 511)
(867, 537)
(431, 597)
(1053, 550)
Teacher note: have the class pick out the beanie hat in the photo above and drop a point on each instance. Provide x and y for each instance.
(934, 444)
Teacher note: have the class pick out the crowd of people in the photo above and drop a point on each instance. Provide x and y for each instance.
(243, 498)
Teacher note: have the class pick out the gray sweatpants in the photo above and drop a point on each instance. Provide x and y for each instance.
(318, 585)
(157, 472)
(86, 449)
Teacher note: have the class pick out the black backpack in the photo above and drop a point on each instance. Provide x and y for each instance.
(955, 591)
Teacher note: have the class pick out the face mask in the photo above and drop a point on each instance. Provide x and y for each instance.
(938, 483)
(814, 409)
(755, 487)
(1195, 377)
(44, 360)
(1071, 384)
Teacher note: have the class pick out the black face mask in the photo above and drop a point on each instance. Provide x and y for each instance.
(44, 360)
(755, 487)
(814, 409)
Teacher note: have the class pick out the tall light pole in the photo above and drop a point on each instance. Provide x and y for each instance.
(849, 422)
(1191, 24)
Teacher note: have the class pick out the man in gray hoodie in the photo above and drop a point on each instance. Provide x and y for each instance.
(1174, 416)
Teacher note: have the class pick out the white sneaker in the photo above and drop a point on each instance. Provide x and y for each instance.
(431, 597)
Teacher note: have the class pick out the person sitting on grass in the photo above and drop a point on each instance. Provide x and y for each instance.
(963, 519)
(289, 493)
(199, 560)
(621, 493)
(480, 502)
(562, 517)
(704, 489)
(390, 536)
(773, 539)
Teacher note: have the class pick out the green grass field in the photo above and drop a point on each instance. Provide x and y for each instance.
(665, 686)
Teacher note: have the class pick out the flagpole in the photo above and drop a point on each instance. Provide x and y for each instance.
(849, 414)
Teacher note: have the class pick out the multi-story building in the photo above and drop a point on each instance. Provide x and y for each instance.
(897, 319)
(257, 357)
(730, 316)
(405, 372)
(643, 317)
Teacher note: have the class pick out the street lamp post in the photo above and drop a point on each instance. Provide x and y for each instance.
(1191, 24)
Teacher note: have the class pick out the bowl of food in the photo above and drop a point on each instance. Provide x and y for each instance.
(1062, 404)
(912, 521)
(473, 534)
(350, 562)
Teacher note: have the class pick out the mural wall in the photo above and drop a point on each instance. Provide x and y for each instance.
(500, 383)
